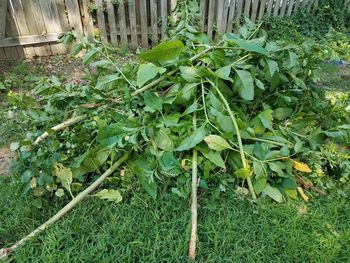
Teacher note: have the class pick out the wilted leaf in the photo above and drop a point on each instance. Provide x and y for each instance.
(59, 192)
(301, 167)
(302, 194)
(243, 173)
(214, 157)
(64, 174)
(110, 195)
(105, 80)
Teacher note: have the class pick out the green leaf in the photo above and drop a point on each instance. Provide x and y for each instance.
(89, 56)
(282, 113)
(64, 174)
(217, 143)
(266, 119)
(105, 80)
(152, 101)
(214, 157)
(59, 192)
(249, 45)
(245, 85)
(196, 137)
(191, 74)
(110, 135)
(147, 72)
(260, 184)
(224, 73)
(243, 173)
(163, 140)
(164, 52)
(274, 193)
(110, 195)
(144, 173)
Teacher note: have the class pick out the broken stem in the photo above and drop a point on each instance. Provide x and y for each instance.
(59, 127)
(194, 203)
(5, 251)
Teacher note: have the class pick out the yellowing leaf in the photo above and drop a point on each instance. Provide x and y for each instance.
(65, 176)
(302, 194)
(110, 195)
(217, 143)
(301, 167)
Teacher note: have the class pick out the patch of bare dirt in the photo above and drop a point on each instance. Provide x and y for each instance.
(7, 157)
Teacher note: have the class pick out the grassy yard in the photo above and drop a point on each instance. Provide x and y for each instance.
(231, 228)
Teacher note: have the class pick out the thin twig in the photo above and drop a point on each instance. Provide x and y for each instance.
(194, 203)
(5, 251)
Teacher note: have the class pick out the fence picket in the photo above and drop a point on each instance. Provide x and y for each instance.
(269, 8)
(290, 7)
(101, 21)
(276, 7)
(211, 13)
(203, 8)
(262, 9)
(283, 8)
(122, 25)
(231, 15)
(239, 11)
(254, 9)
(112, 23)
(133, 23)
(74, 16)
(247, 7)
(154, 21)
(164, 16)
(143, 21)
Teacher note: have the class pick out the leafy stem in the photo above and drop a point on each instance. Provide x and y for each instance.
(238, 134)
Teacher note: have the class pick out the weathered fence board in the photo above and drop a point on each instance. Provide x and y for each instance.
(32, 27)
(3, 11)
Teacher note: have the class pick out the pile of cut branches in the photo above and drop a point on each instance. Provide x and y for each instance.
(191, 114)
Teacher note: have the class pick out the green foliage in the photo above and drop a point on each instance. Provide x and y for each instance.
(263, 85)
(328, 15)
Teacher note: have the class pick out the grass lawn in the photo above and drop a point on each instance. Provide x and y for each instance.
(231, 229)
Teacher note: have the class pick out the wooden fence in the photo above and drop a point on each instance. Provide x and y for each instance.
(32, 27)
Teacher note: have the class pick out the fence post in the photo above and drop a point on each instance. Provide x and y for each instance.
(3, 11)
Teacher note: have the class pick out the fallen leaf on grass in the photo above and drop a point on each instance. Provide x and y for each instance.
(302, 194)
(301, 167)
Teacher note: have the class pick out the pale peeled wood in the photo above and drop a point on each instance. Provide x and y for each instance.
(101, 21)
(255, 10)
(3, 9)
(231, 15)
(173, 4)
(262, 9)
(112, 23)
(74, 15)
(164, 16)
(122, 25)
(154, 21)
(133, 24)
(21, 24)
(143, 21)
